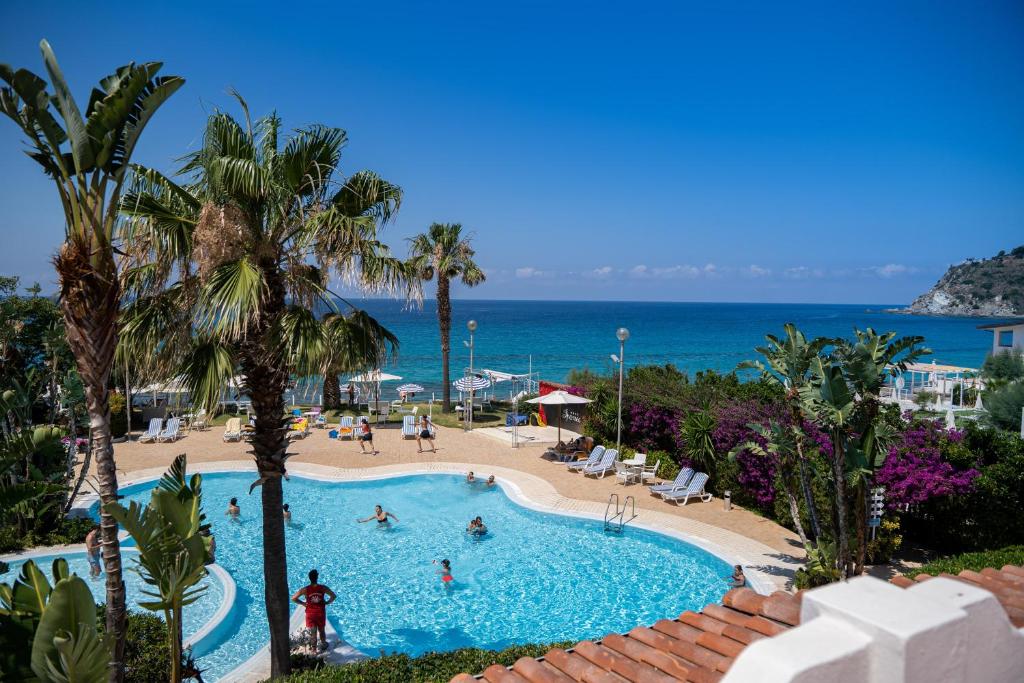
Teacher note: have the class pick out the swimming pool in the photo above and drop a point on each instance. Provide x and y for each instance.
(195, 616)
(535, 577)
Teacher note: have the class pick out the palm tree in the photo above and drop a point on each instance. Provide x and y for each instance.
(87, 158)
(444, 253)
(787, 362)
(251, 236)
(867, 362)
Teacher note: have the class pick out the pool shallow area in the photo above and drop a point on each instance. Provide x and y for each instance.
(195, 615)
(535, 576)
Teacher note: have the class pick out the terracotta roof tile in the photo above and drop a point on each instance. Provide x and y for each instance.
(699, 647)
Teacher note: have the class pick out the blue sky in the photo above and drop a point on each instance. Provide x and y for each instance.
(784, 152)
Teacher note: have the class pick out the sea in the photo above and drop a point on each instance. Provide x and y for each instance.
(550, 338)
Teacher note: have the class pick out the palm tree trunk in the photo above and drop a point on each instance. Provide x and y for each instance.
(90, 299)
(843, 557)
(444, 320)
(861, 518)
(266, 377)
(805, 482)
(794, 508)
(332, 392)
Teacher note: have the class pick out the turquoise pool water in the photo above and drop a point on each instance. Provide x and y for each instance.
(534, 577)
(195, 615)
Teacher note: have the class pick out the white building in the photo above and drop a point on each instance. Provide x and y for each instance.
(1006, 336)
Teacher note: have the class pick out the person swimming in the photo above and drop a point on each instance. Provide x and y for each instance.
(445, 571)
(737, 580)
(476, 527)
(233, 510)
(470, 478)
(380, 515)
(490, 481)
(286, 513)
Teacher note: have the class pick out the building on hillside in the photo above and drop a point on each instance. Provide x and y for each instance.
(1006, 336)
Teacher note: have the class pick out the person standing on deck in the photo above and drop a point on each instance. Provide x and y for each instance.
(317, 597)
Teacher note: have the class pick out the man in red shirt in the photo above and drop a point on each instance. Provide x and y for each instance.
(317, 597)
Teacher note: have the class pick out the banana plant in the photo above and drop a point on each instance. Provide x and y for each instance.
(49, 632)
(173, 549)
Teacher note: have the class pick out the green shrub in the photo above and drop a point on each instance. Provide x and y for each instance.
(69, 530)
(432, 667)
(1012, 554)
(147, 657)
(886, 542)
(1004, 405)
(118, 417)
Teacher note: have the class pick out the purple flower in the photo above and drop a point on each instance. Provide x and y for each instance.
(914, 471)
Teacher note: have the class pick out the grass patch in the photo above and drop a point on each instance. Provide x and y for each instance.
(954, 564)
(432, 667)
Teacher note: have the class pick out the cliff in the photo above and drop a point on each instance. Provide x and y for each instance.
(987, 287)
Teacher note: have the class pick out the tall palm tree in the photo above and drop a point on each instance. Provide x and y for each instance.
(250, 236)
(87, 157)
(787, 362)
(443, 252)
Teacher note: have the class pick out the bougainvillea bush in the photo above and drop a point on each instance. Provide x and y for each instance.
(915, 470)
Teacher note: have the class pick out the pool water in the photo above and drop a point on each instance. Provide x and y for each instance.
(193, 618)
(535, 577)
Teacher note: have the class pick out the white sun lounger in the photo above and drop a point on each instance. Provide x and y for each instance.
(172, 432)
(233, 429)
(695, 489)
(679, 484)
(155, 425)
(409, 427)
(592, 459)
(345, 428)
(604, 465)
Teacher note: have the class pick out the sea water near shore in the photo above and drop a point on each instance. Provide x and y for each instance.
(561, 335)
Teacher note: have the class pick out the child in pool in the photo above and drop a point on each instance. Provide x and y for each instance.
(446, 572)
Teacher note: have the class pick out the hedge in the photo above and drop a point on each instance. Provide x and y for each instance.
(432, 667)
(1011, 554)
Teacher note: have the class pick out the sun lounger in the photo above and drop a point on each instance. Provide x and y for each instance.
(409, 427)
(233, 429)
(299, 429)
(155, 425)
(694, 489)
(593, 459)
(604, 465)
(172, 431)
(345, 430)
(680, 482)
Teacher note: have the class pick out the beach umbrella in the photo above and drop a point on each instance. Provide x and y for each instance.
(471, 383)
(410, 389)
(374, 377)
(559, 398)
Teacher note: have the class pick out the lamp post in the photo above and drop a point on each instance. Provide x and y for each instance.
(623, 334)
(471, 326)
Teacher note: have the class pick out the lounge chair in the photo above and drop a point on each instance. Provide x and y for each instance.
(604, 465)
(198, 421)
(694, 489)
(345, 430)
(409, 427)
(233, 429)
(151, 435)
(680, 482)
(172, 431)
(299, 429)
(592, 459)
(383, 412)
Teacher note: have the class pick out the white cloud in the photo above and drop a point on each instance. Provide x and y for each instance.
(754, 270)
(528, 272)
(600, 273)
(710, 269)
(639, 271)
(671, 272)
(891, 269)
(802, 273)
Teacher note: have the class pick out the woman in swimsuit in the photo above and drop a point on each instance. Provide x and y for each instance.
(470, 479)
(380, 515)
(446, 572)
(479, 528)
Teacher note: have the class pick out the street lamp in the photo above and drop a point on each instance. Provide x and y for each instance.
(471, 326)
(623, 334)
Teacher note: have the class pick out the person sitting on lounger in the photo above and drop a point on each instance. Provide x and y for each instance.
(737, 580)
